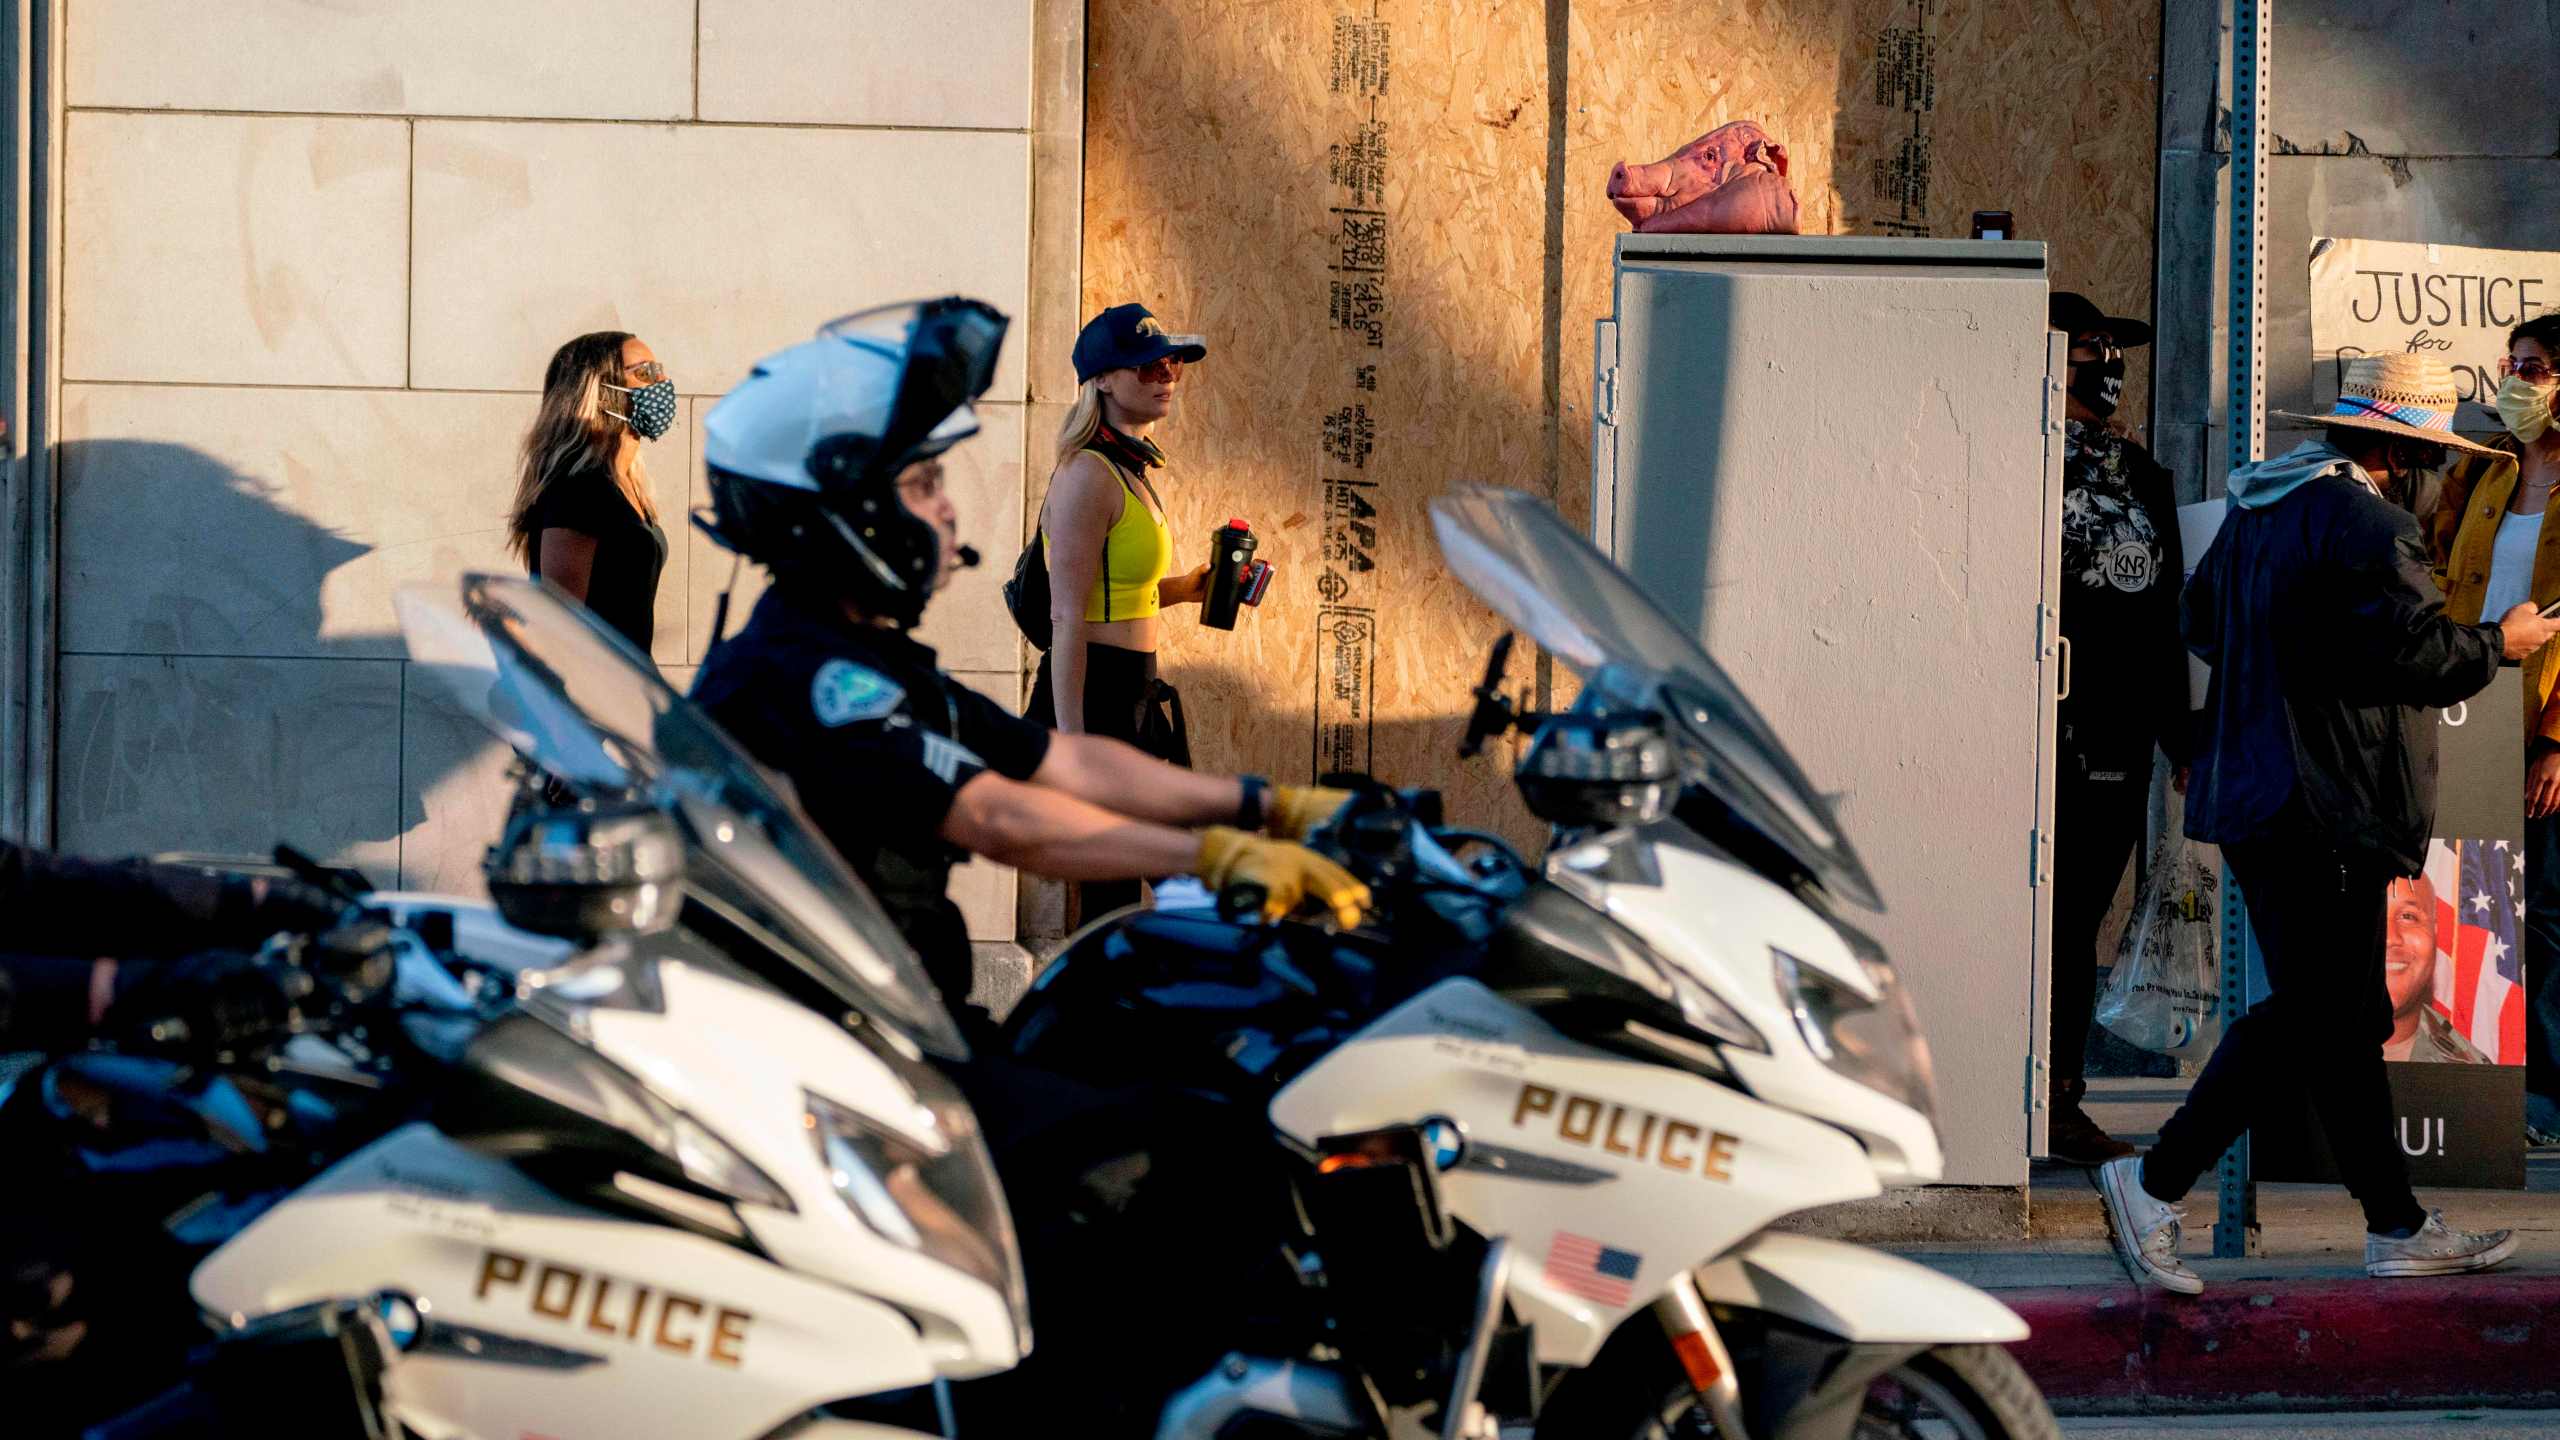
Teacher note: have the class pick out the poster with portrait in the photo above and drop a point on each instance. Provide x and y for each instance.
(2453, 303)
(2453, 956)
(2454, 967)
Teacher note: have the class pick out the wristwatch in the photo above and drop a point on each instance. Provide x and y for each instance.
(1249, 811)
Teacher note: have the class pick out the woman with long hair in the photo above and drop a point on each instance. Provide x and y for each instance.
(1109, 548)
(582, 517)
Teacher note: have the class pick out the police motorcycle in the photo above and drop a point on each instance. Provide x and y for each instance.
(1508, 1155)
(702, 1176)
(134, 1156)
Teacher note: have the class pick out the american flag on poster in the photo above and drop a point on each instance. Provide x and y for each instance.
(1580, 1265)
(2479, 978)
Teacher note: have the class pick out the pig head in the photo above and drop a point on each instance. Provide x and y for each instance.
(1730, 181)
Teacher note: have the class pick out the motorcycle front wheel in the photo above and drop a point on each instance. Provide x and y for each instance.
(1951, 1392)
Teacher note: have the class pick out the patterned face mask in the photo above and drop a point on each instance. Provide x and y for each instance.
(2099, 383)
(653, 408)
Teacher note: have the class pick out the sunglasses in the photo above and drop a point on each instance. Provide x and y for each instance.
(2528, 369)
(921, 482)
(1158, 371)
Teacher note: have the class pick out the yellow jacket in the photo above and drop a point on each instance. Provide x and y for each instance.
(2460, 534)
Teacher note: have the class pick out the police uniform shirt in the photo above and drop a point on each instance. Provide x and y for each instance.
(877, 740)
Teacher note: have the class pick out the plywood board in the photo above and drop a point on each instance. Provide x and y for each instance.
(1347, 201)
(2048, 109)
(1899, 117)
(1223, 138)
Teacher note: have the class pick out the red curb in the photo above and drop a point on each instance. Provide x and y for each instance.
(2483, 1340)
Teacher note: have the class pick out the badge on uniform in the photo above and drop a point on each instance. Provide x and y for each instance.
(844, 692)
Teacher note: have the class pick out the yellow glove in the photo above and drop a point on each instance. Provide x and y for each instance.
(1296, 810)
(1287, 874)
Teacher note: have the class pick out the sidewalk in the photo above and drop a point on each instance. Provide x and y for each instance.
(2298, 1327)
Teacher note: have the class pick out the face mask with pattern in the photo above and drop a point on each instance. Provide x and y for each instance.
(2099, 383)
(653, 408)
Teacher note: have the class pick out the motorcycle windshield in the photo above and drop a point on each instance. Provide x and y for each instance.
(575, 701)
(1519, 557)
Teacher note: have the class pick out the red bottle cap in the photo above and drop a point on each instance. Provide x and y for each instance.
(1234, 524)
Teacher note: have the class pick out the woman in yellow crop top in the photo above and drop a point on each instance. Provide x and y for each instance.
(1107, 542)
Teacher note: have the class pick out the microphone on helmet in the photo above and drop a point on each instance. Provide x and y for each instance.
(968, 558)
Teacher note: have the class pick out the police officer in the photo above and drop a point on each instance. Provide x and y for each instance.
(87, 942)
(824, 466)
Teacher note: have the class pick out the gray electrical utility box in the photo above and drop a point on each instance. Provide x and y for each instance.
(1839, 458)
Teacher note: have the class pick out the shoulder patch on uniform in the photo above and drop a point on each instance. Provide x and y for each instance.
(844, 692)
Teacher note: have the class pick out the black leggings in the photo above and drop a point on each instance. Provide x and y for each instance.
(1119, 700)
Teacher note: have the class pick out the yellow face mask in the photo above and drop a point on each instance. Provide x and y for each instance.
(2526, 407)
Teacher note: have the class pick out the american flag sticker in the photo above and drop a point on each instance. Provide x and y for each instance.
(2477, 988)
(1580, 1265)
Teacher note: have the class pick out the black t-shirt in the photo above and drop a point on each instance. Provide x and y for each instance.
(2121, 574)
(631, 551)
(877, 741)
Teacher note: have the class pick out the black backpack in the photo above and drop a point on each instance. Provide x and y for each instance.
(1027, 594)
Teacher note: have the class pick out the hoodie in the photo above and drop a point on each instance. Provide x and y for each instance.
(2257, 486)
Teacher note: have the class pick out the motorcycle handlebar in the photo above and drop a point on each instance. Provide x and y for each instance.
(1394, 842)
(1242, 900)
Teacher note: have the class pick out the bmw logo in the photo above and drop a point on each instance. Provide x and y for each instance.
(1444, 1140)
(400, 1318)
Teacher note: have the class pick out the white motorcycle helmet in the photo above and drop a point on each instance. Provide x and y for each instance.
(803, 456)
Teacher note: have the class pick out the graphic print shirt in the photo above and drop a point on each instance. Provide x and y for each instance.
(2119, 603)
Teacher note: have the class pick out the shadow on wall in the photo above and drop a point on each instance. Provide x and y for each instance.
(1431, 741)
(1658, 525)
(205, 703)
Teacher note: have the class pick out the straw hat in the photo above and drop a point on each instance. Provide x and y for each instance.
(2405, 395)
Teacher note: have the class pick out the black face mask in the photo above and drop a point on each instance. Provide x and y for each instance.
(2412, 465)
(2099, 384)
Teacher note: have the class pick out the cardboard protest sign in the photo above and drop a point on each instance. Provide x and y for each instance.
(2451, 302)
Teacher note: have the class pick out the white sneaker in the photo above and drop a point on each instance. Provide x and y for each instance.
(2145, 1229)
(2437, 1249)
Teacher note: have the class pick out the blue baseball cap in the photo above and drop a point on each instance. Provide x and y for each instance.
(1125, 337)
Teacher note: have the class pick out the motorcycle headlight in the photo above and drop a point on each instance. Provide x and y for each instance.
(1875, 1042)
(535, 1052)
(928, 1184)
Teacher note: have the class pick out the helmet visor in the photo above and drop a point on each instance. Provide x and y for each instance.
(944, 355)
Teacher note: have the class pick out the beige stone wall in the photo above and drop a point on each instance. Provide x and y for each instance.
(313, 261)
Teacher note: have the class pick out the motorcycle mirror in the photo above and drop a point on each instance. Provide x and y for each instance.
(1494, 715)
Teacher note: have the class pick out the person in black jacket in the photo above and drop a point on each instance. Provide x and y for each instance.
(2316, 776)
(84, 938)
(2120, 572)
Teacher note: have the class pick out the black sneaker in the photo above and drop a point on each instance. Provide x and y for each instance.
(2075, 1139)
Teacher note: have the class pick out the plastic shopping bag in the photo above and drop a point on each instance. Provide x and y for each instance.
(2165, 994)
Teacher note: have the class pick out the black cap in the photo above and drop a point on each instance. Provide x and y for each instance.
(2076, 315)
(1125, 337)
